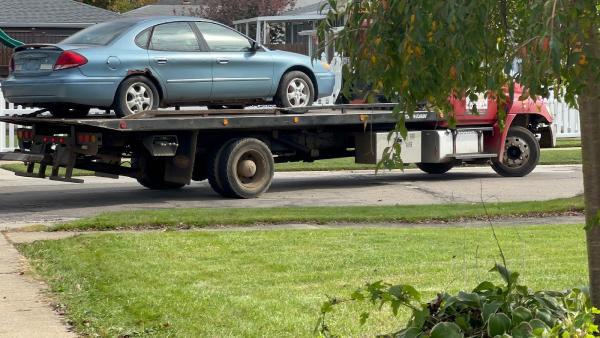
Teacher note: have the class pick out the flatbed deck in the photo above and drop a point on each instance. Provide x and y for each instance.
(181, 120)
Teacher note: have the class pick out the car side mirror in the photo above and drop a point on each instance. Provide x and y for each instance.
(254, 46)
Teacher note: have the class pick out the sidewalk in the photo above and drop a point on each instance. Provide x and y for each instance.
(25, 312)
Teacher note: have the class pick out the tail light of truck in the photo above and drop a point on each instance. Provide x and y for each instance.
(69, 59)
(86, 138)
(25, 134)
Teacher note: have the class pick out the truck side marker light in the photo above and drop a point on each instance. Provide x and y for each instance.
(123, 125)
(225, 122)
(296, 119)
(364, 118)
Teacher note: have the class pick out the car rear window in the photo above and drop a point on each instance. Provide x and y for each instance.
(100, 34)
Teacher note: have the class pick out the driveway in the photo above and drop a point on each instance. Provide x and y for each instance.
(27, 200)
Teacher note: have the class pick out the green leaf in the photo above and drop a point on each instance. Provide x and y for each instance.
(419, 317)
(446, 330)
(470, 299)
(521, 314)
(363, 318)
(485, 286)
(490, 309)
(498, 324)
(326, 307)
(411, 332)
(545, 316)
(538, 324)
(523, 330)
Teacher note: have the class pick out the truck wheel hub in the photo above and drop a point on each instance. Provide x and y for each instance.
(516, 152)
(246, 168)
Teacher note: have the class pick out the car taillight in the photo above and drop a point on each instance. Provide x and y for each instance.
(11, 65)
(69, 59)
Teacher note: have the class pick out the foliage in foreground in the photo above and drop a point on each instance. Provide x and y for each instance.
(509, 310)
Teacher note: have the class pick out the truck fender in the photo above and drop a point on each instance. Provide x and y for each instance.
(523, 113)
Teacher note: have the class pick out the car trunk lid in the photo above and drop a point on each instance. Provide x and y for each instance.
(35, 60)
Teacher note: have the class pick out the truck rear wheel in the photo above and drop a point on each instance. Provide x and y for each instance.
(152, 172)
(435, 168)
(521, 154)
(245, 168)
(212, 170)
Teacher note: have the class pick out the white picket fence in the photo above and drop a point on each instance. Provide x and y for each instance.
(8, 140)
(566, 119)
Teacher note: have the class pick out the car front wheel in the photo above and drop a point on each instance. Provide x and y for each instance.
(136, 94)
(295, 91)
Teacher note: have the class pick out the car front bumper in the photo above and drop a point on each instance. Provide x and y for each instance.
(325, 83)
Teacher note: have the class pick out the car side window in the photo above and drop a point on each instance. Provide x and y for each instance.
(143, 38)
(223, 39)
(175, 37)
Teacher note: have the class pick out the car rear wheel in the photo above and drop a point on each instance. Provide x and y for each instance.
(295, 91)
(63, 112)
(136, 94)
(521, 153)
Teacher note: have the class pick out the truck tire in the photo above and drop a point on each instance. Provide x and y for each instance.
(152, 172)
(435, 168)
(521, 154)
(295, 90)
(245, 168)
(212, 169)
(134, 95)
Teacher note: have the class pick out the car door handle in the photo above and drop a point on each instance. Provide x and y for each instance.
(222, 61)
(161, 61)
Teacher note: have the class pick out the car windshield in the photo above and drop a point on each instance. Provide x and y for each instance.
(101, 34)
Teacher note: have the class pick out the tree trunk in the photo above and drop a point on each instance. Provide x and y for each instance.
(589, 110)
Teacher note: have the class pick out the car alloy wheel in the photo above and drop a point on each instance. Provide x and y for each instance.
(298, 93)
(139, 97)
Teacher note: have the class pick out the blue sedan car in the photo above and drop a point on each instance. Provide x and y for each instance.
(132, 65)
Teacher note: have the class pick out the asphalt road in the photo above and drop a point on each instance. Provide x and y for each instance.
(26, 200)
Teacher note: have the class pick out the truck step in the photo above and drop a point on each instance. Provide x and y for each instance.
(473, 156)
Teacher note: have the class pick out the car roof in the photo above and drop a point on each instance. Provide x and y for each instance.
(156, 20)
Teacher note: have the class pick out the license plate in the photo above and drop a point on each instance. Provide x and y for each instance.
(46, 66)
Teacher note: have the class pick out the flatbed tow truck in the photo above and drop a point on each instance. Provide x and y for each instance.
(235, 150)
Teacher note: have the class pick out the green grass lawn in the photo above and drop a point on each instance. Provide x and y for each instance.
(271, 283)
(201, 217)
(549, 156)
(568, 142)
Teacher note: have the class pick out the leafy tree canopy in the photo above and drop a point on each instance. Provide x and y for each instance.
(226, 11)
(415, 50)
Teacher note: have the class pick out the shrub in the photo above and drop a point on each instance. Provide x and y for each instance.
(490, 310)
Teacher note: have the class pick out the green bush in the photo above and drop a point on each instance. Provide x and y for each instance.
(490, 310)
